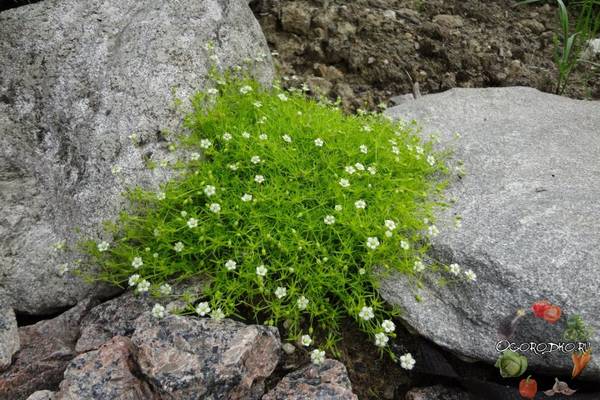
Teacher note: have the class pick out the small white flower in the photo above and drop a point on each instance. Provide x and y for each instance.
(389, 234)
(230, 265)
(419, 266)
(255, 160)
(407, 361)
(359, 166)
(390, 225)
(192, 223)
(245, 89)
(143, 286)
(431, 160)
(215, 207)
(344, 182)
(454, 269)
(194, 156)
(381, 339)
(338, 207)
(158, 311)
(205, 143)
(287, 138)
(257, 104)
(155, 255)
(350, 169)
(470, 275)
(184, 214)
(263, 136)
(306, 340)
(259, 178)
(262, 120)
(363, 149)
(366, 313)
(63, 269)
(433, 231)
(202, 309)
(245, 135)
(280, 292)
(246, 197)
(156, 232)
(302, 303)
(161, 195)
(388, 326)
(282, 97)
(165, 289)
(360, 204)
(404, 245)
(395, 150)
(137, 262)
(419, 149)
(209, 190)
(217, 314)
(329, 220)
(233, 167)
(373, 243)
(212, 91)
(362, 271)
(115, 170)
(178, 247)
(103, 246)
(372, 170)
(261, 270)
(227, 136)
(317, 356)
(319, 142)
(134, 279)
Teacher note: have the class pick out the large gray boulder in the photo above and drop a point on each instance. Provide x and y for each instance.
(529, 203)
(78, 78)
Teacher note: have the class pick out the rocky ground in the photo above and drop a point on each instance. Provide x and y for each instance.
(367, 51)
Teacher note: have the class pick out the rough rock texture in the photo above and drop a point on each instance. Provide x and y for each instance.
(436, 392)
(115, 317)
(106, 373)
(42, 395)
(529, 207)
(46, 349)
(328, 381)
(9, 336)
(79, 77)
(190, 358)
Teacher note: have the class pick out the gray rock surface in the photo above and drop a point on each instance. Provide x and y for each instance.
(190, 358)
(46, 349)
(9, 336)
(78, 78)
(328, 381)
(107, 373)
(529, 205)
(115, 317)
(42, 395)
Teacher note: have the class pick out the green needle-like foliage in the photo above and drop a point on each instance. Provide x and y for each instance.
(285, 207)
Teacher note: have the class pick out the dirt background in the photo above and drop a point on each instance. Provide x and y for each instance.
(368, 51)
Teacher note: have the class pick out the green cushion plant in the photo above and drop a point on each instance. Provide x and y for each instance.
(287, 209)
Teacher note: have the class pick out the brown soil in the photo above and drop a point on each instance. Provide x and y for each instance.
(366, 51)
